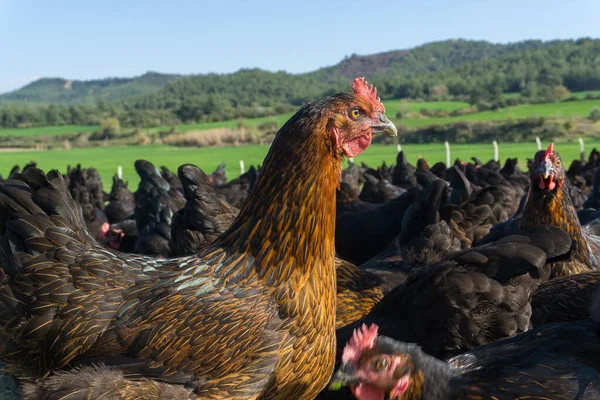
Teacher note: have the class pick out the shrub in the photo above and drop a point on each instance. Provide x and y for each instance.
(560, 92)
(463, 111)
(569, 125)
(142, 139)
(268, 126)
(215, 137)
(110, 126)
(433, 112)
(483, 106)
(82, 140)
(438, 92)
(403, 110)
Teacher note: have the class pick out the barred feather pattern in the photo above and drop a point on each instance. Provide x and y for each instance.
(358, 292)
(556, 208)
(100, 382)
(565, 298)
(251, 316)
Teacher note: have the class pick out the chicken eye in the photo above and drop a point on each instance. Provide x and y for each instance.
(381, 364)
(355, 113)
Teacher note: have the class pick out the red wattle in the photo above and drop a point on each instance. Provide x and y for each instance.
(356, 145)
(401, 387)
(366, 392)
(551, 183)
(541, 184)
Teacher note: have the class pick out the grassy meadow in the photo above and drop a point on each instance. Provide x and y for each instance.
(566, 109)
(49, 130)
(106, 159)
(392, 106)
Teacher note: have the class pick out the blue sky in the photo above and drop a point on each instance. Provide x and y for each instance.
(87, 39)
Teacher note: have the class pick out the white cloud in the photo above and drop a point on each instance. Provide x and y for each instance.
(11, 83)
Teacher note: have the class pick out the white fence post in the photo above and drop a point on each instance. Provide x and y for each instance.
(242, 168)
(399, 147)
(539, 143)
(447, 154)
(496, 158)
(581, 146)
(120, 172)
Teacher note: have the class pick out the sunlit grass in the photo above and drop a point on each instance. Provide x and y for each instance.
(107, 159)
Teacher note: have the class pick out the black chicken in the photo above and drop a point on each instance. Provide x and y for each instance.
(363, 229)
(121, 202)
(403, 174)
(156, 202)
(470, 298)
(557, 361)
(204, 217)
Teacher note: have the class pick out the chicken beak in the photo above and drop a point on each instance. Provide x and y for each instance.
(343, 377)
(384, 125)
(546, 169)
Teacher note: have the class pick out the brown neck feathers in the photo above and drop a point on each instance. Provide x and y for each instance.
(288, 222)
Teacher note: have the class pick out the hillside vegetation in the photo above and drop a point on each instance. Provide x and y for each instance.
(473, 71)
(418, 122)
(63, 91)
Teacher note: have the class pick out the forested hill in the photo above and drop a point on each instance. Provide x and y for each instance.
(460, 64)
(63, 91)
(474, 70)
(391, 71)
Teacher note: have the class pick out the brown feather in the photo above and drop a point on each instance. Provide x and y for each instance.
(252, 315)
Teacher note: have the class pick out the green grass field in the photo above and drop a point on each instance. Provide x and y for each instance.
(392, 106)
(106, 160)
(48, 130)
(559, 110)
(562, 110)
(581, 95)
(279, 119)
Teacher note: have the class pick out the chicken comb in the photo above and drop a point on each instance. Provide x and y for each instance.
(362, 339)
(368, 92)
(549, 151)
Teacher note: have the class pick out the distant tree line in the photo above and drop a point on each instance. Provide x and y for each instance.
(23, 116)
(534, 73)
(478, 72)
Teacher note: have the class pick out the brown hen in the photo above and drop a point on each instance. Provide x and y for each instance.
(358, 291)
(251, 316)
(549, 203)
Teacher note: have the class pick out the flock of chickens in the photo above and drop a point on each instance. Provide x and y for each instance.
(298, 280)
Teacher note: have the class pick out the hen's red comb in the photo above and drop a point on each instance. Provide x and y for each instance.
(362, 339)
(549, 151)
(368, 92)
